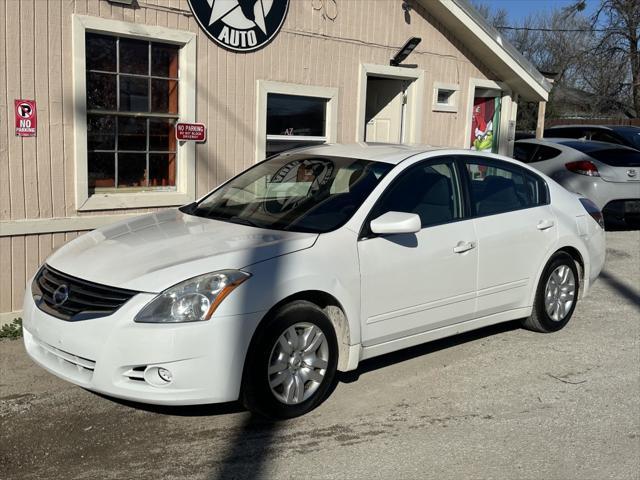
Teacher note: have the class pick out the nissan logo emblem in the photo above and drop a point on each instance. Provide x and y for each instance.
(60, 295)
(631, 172)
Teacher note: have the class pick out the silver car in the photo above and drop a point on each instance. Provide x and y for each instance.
(607, 174)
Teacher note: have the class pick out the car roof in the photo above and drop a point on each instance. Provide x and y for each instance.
(584, 146)
(559, 127)
(613, 128)
(377, 152)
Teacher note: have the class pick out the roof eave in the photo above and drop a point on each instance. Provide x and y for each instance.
(487, 44)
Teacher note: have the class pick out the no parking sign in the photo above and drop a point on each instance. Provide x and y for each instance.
(26, 118)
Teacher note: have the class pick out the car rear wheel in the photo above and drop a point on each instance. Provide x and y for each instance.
(556, 296)
(291, 363)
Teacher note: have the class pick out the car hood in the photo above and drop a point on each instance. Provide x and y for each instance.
(153, 252)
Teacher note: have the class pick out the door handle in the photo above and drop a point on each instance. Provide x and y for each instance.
(545, 224)
(462, 247)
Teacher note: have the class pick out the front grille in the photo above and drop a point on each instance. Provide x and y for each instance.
(85, 300)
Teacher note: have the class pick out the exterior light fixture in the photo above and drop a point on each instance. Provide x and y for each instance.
(404, 52)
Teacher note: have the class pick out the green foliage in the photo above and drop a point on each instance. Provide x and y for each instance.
(12, 330)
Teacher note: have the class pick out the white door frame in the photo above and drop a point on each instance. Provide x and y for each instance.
(507, 112)
(415, 92)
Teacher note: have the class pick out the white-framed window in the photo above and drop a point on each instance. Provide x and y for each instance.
(132, 83)
(445, 97)
(291, 115)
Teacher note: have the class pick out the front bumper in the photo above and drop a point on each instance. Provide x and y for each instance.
(110, 355)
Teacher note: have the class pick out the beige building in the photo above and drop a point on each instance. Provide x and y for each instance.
(110, 81)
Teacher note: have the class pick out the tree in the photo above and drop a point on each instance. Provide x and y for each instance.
(619, 21)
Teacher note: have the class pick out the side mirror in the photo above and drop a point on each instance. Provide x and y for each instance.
(396, 222)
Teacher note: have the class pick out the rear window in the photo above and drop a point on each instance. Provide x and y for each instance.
(617, 157)
(545, 153)
(523, 151)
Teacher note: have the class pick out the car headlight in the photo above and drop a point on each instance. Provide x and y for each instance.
(192, 300)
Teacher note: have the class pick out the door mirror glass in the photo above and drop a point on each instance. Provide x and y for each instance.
(396, 222)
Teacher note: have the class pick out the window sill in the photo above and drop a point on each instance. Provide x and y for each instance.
(113, 201)
(445, 108)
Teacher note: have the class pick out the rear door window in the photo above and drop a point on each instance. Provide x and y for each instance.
(568, 132)
(602, 136)
(497, 187)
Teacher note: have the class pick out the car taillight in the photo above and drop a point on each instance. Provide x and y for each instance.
(593, 210)
(583, 167)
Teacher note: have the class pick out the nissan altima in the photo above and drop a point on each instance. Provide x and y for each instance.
(306, 264)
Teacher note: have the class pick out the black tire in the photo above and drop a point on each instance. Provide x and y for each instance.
(257, 395)
(540, 321)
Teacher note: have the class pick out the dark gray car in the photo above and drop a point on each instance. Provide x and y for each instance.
(619, 134)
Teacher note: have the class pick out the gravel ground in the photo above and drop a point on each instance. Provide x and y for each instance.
(499, 403)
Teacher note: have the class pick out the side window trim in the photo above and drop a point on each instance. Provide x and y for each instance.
(366, 234)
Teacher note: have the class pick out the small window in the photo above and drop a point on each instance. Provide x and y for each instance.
(545, 152)
(524, 151)
(496, 189)
(445, 97)
(132, 107)
(295, 121)
(429, 190)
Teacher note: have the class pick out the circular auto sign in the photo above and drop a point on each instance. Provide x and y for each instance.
(240, 25)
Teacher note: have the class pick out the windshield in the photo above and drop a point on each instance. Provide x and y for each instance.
(295, 192)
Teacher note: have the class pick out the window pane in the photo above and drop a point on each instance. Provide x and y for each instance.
(102, 170)
(277, 146)
(444, 96)
(430, 191)
(161, 135)
(546, 153)
(101, 52)
(132, 133)
(162, 170)
(496, 190)
(164, 60)
(132, 170)
(101, 91)
(101, 132)
(164, 96)
(134, 56)
(523, 151)
(296, 115)
(134, 94)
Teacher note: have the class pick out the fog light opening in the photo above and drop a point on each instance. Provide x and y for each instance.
(165, 375)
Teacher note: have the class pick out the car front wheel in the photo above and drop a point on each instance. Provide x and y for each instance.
(291, 363)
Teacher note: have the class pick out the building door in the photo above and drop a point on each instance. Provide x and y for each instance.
(485, 120)
(385, 108)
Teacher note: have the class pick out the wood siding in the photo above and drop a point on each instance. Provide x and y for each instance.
(37, 174)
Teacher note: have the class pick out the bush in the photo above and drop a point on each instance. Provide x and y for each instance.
(12, 330)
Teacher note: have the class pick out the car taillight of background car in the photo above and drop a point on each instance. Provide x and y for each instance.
(583, 167)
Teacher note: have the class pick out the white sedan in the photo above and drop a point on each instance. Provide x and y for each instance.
(305, 264)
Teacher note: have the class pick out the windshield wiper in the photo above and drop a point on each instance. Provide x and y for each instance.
(243, 221)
